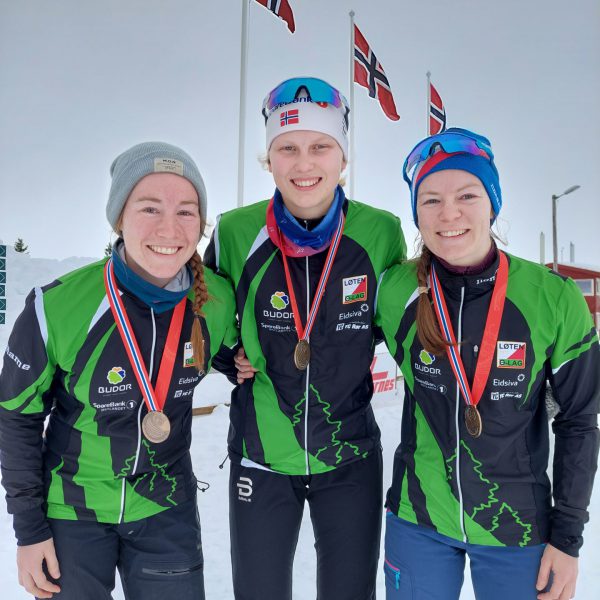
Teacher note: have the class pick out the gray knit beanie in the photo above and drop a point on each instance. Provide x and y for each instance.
(146, 158)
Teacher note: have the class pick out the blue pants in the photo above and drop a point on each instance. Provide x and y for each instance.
(158, 558)
(421, 564)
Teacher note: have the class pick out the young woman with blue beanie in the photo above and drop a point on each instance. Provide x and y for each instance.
(478, 333)
(110, 355)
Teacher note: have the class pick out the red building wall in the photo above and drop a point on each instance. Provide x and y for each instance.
(588, 279)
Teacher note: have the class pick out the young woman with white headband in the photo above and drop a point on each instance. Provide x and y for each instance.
(305, 266)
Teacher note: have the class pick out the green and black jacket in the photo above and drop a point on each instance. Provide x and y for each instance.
(287, 420)
(65, 358)
(494, 490)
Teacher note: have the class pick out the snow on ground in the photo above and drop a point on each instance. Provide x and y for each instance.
(209, 450)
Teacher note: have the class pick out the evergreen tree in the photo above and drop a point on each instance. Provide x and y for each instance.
(20, 245)
(108, 249)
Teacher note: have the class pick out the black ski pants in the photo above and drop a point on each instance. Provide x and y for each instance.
(158, 557)
(265, 513)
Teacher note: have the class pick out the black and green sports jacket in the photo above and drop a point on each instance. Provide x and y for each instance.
(65, 358)
(494, 490)
(287, 420)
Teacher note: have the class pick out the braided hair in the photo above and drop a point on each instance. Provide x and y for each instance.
(200, 299)
(428, 329)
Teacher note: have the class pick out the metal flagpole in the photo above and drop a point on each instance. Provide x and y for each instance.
(352, 157)
(428, 102)
(242, 119)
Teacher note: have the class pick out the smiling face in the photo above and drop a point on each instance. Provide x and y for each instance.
(160, 226)
(306, 167)
(454, 213)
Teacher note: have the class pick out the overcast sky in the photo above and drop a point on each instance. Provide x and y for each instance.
(82, 81)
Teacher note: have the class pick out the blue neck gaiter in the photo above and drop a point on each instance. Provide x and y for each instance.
(318, 237)
(157, 298)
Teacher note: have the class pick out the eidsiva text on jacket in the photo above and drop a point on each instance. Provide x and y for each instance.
(312, 421)
(494, 489)
(65, 359)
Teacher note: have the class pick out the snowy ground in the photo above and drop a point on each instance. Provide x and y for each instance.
(208, 451)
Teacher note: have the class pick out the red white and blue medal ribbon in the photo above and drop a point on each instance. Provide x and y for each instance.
(302, 350)
(156, 424)
(473, 395)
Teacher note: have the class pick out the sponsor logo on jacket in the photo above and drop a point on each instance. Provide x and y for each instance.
(355, 321)
(354, 289)
(115, 406)
(279, 301)
(510, 355)
(188, 355)
(430, 385)
(426, 360)
(115, 377)
(502, 395)
(17, 360)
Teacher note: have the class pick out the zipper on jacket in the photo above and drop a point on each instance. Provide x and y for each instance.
(307, 376)
(456, 422)
(139, 417)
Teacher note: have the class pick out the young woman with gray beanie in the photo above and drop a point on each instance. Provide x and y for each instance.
(112, 354)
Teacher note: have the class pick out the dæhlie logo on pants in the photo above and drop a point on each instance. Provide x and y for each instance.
(244, 485)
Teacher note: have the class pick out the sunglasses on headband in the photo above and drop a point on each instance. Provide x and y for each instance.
(316, 90)
(450, 141)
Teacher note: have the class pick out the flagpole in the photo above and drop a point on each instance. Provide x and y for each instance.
(242, 118)
(352, 156)
(428, 102)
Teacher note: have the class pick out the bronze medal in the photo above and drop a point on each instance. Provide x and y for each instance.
(473, 421)
(302, 354)
(156, 426)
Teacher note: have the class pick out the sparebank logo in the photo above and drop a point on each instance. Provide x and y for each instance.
(115, 375)
(244, 485)
(279, 300)
(510, 355)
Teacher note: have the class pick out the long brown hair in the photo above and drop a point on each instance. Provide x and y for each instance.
(428, 329)
(200, 299)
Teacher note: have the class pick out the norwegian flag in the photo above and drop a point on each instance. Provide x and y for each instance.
(289, 117)
(369, 73)
(281, 9)
(437, 112)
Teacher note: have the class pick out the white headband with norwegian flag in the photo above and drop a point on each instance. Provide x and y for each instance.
(304, 115)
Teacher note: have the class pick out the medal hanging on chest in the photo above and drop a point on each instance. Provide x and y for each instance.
(472, 395)
(302, 350)
(155, 424)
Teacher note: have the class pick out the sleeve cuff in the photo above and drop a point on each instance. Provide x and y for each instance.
(568, 544)
(31, 527)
